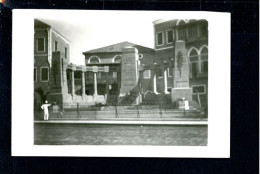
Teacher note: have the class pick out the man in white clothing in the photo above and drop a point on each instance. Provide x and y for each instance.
(45, 108)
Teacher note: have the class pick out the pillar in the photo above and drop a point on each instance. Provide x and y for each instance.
(154, 82)
(107, 87)
(141, 73)
(72, 83)
(83, 83)
(165, 80)
(95, 83)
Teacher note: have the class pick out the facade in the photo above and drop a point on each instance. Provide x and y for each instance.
(194, 37)
(51, 49)
(125, 73)
(124, 61)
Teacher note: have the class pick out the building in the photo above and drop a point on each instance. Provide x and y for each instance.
(125, 73)
(51, 51)
(191, 38)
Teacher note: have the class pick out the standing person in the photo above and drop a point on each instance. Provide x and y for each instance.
(45, 108)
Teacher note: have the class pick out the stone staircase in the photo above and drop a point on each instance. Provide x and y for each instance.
(122, 112)
(130, 99)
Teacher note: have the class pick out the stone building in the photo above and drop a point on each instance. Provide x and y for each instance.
(190, 39)
(51, 51)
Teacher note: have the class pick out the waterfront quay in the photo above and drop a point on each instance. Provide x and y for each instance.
(120, 131)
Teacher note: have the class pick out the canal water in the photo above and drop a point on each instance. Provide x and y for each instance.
(88, 134)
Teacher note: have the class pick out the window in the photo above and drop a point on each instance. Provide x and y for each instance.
(204, 66)
(204, 60)
(193, 57)
(198, 89)
(169, 36)
(77, 74)
(66, 52)
(94, 59)
(114, 75)
(204, 30)
(159, 73)
(117, 59)
(193, 32)
(56, 46)
(193, 69)
(40, 45)
(147, 74)
(159, 39)
(35, 74)
(182, 34)
(44, 74)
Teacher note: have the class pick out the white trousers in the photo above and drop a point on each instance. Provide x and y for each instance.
(46, 115)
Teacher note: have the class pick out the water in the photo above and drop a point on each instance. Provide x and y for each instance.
(86, 134)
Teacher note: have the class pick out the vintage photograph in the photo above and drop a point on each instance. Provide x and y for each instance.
(121, 82)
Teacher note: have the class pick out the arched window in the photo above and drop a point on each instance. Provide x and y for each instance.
(194, 60)
(117, 59)
(204, 59)
(94, 59)
(181, 22)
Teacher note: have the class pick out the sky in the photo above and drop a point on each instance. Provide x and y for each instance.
(92, 29)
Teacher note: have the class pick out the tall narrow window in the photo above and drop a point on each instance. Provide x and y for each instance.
(40, 44)
(204, 66)
(160, 38)
(204, 31)
(66, 52)
(56, 46)
(35, 74)
(193, 56)
(193, 32)
(169, 36)
(182, 34)
(159, 73)
(44, 74)
(204, 60)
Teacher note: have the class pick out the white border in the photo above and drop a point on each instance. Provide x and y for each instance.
(218, 85)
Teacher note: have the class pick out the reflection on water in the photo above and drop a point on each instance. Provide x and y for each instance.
(84, 134)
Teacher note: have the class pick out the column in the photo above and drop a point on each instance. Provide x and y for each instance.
(141, 80)
(165, 80)
(83, 83)
(107, 87)
(95, 83)
(154, 82)
(72, 83)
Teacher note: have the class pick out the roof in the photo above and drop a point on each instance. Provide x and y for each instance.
(40, 24)
(117, 48)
